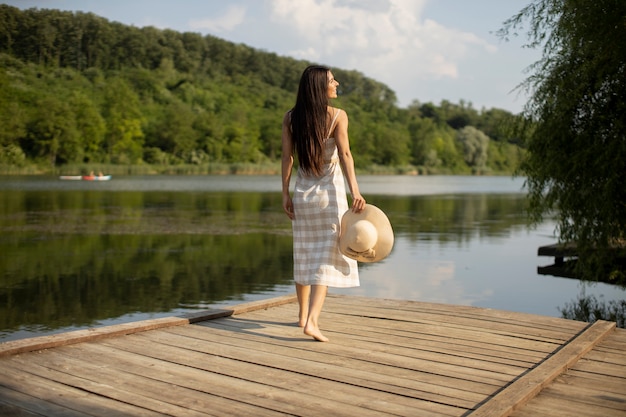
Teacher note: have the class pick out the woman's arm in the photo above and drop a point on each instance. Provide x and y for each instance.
(287, 164)
(347, 163)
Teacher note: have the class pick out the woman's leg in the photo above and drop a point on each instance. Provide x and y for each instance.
(303, 292)
(317, 297)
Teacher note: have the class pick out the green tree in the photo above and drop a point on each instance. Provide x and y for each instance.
(457, 116)
(124, 138)
(576, 125)
(391, 146)
(444, 149)
(89, 124)
(12, 115)
(497, 124)
(475, 145)
(432, 144)
(419, 130)
(8, 27)
(503, 157)
(211, 140)
(174, 132)
(52, 133)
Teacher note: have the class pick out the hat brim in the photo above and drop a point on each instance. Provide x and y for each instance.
(377, 217)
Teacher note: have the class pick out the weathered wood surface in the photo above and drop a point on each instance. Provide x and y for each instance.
(593, 386)
(385, 357)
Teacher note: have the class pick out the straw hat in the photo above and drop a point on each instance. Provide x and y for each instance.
(366, 236)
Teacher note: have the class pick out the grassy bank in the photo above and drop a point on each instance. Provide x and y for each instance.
(217, 169)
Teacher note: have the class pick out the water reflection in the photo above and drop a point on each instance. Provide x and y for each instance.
(454, 218)
(74, 258)
(588, 308)
(76, 280)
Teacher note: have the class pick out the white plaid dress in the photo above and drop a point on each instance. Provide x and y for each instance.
(319, 203)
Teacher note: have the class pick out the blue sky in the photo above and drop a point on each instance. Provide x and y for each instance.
(425, 50)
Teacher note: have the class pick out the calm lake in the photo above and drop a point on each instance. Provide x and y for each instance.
(80, 254)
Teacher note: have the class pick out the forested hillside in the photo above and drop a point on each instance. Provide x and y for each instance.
(78, 91)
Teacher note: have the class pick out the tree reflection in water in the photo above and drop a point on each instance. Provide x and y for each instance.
(588, 308)
(78, 258)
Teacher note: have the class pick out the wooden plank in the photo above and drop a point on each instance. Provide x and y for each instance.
(437, 329)
(564, 408)
(12, 411)
(596, 396)
(154, 391)
(365, 354)
(191, 378)
(344, 370)
(447, 311)
(610, 357)
(619, 338)
(615, 384)
(523, 389)
(416, 328)
(591, 366)
(354, 366)
(350, 398)
(358, 332)
(81, 360)
(97, 333)
(264, 304)
(558, 250)
(240, 308)
(531, 333)
(79, 336)
(367, 331)
(61, 372)
(616, 342)
(15, 403)
(449, 314)
(612, 350)
(403, 320)
(207, 374)
(407, 337)
(406, 347)
(57, 393)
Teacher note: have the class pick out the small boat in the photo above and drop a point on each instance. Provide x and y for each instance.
(96, 177)
(85, 177)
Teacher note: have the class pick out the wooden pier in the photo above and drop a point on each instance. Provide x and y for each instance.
(566, 256)
(385, 357)
(561, 267)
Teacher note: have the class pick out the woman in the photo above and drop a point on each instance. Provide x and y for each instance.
(318, 134)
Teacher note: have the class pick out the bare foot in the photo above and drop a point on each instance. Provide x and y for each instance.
(302, 323)
(315, 334)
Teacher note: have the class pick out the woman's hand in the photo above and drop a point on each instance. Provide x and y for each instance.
(288, 206)
(358, 203)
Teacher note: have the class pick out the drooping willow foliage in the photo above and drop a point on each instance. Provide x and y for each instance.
(575, 123)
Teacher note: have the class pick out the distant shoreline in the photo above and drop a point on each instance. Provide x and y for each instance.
(224, 169)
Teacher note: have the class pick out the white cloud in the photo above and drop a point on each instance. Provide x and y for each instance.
(388, 40)
(309, 54)
(233, 17)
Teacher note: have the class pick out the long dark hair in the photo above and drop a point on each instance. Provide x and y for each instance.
(308, 119)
